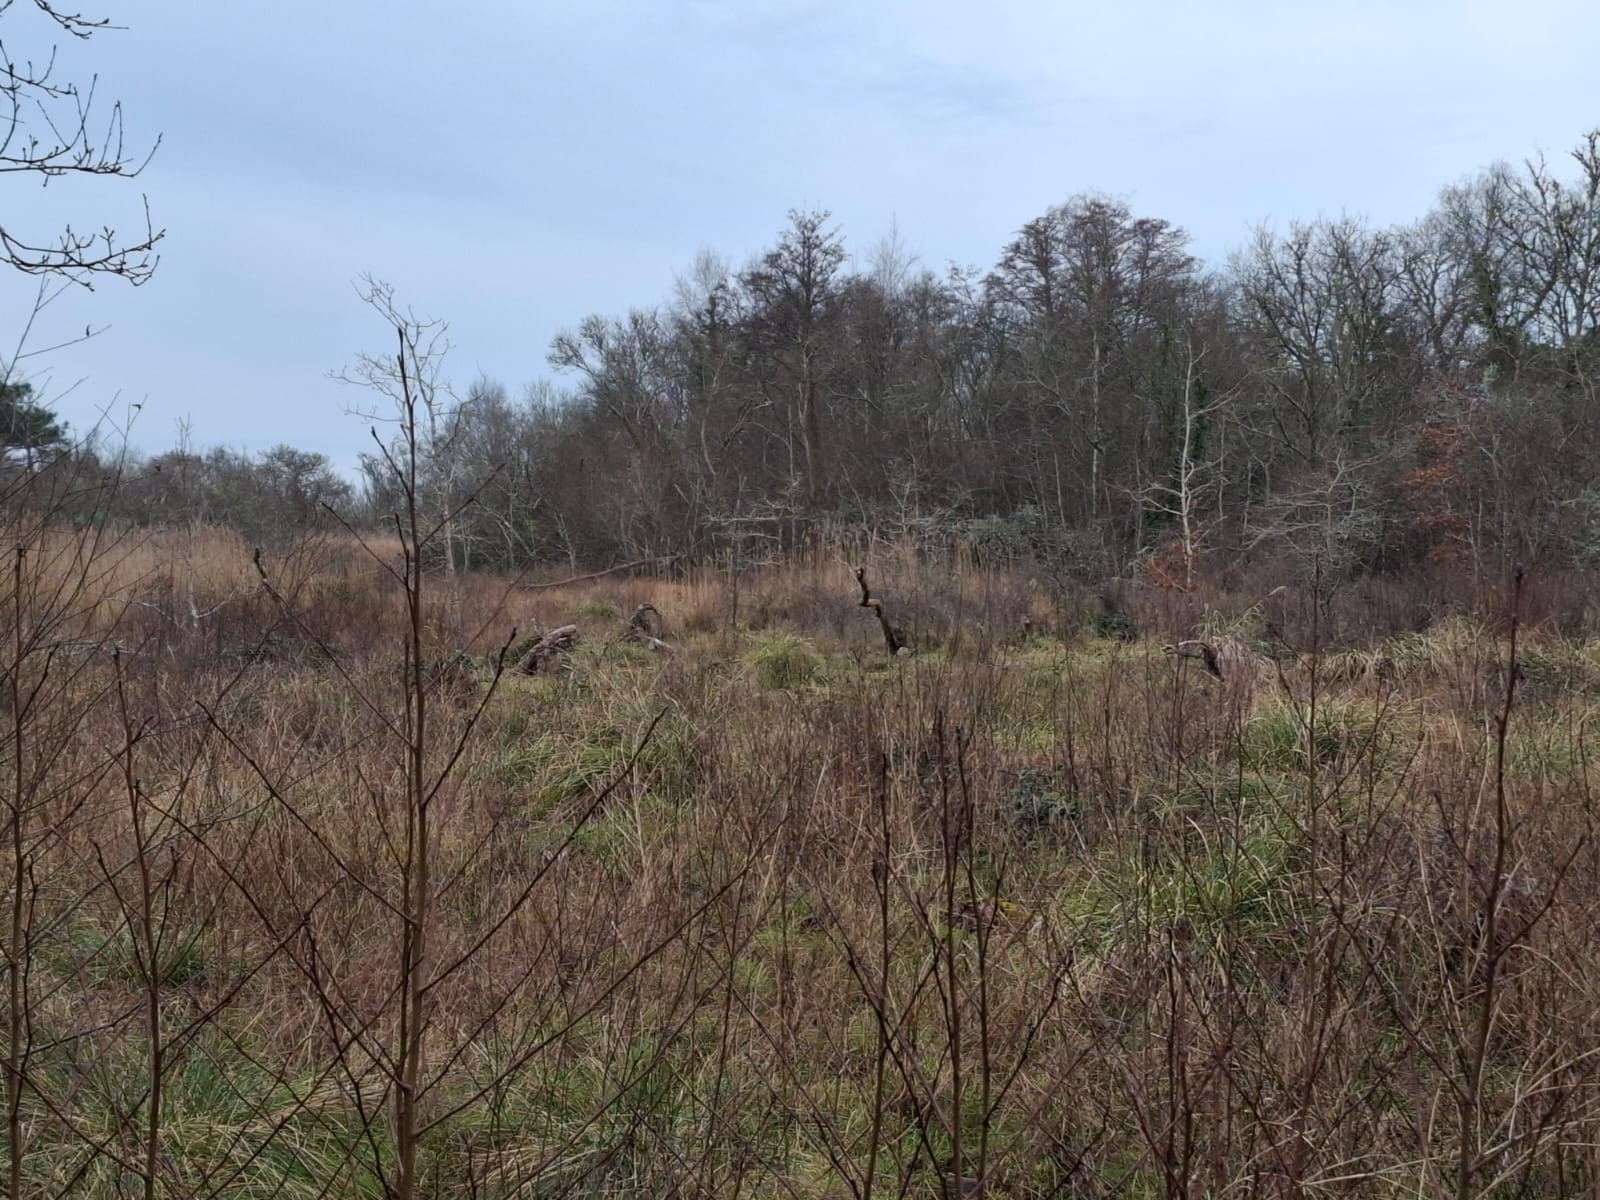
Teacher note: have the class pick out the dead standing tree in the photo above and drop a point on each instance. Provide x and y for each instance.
(1179, 497)
(893, 637)
(413, 382)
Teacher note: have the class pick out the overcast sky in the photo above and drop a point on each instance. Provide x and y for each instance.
(511, 166)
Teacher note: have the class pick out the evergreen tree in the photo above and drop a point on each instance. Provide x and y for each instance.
(27, 428)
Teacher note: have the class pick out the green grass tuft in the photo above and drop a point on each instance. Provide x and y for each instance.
(783, 661)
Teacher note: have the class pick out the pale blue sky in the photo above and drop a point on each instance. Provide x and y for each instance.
(513, 166)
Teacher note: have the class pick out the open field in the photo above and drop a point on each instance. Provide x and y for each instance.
(1039, 908)
(1047, 698)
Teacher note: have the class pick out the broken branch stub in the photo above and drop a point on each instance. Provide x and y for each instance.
(893, 638)
(645, 628)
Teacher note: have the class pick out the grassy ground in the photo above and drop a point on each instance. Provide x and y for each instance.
(771, 914)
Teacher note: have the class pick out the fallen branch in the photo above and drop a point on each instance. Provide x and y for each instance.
(664, 561)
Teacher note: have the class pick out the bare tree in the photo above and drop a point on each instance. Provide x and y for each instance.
(795, 291)
(630, 375)
(50, 127)
(413, 381)
(1322, 301)
(1081, 288)
(1181, 495)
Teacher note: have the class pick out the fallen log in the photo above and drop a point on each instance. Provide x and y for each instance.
(662, 562)
(550, 649)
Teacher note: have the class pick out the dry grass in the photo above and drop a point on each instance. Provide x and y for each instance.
(773, 916)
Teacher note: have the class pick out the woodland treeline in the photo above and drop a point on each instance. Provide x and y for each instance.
(1336, 394)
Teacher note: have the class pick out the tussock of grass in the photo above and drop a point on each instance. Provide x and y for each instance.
(782, 661)
(231, 1128)
(1285, 737)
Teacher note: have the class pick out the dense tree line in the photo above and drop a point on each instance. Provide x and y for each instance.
(1365, 398)
(278, 494)
(1347, 397)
